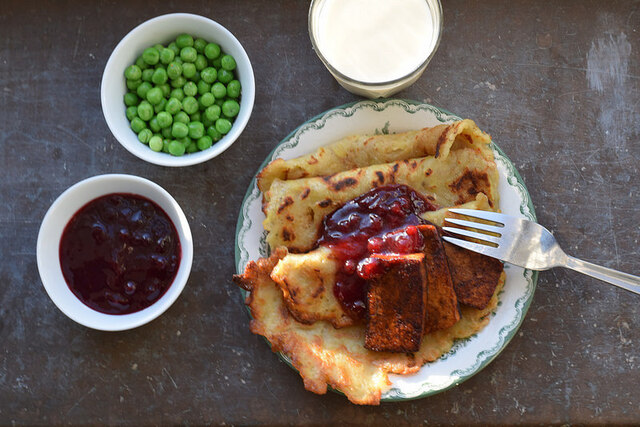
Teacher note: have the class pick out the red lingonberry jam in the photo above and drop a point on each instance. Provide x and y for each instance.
(120, 253)
(382, 220)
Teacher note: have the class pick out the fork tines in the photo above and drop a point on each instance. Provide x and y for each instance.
(487, 235)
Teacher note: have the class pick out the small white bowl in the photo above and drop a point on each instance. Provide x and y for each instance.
(48, 247)
(164, 29)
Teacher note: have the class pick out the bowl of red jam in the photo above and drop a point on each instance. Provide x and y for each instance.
(114, 252)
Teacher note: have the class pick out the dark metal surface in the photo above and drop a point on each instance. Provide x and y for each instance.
(557, 85)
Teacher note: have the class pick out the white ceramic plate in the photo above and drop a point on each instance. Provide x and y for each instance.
(467, 356)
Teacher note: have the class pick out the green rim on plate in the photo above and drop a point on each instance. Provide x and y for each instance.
(467, 356)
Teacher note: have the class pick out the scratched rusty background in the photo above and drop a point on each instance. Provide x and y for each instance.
(557, 84)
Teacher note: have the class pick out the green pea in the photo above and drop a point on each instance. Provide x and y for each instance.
(203, 87)
(145, 135)
(225, 76)
(137, 124)
(212, 113)
(177, 93)
(141, 64)
(174, 48)
(212, 50)
(151, 56)
(179, 130)
(190, 89)
(147, 74)
(158, 47)
(132, 112)
(166, 133)
(145, 111)
(188, 54)
(166, 89)
(165, 144)
(131, 99)
(230, 108)
(192, 147)
(184, 40)
(206, 100)
(164, 119)
(217, 63)
(153, 124)
(177, 59)
(166, 55)
(213, 133)
(155, 143)
(223, 126)
(176, 148)
(189, 70)
(233, 89)
(199, 45)
(228, 62)
(154, 96)
(181, 117)
(206, 122)
(184, 141)
(143, 89)
(178, 82)
(219, 102)
(201, 62)
(174, 70)
(209, 75)
(204, 142)
(190, 105)
(159, 76)
(173, 106)
(160, 105)
(219, 90)
(133, 84)
(196, 130)
(195, 117)
(133, 72)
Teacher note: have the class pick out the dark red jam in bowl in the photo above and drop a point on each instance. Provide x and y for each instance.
(120, 253)
(382, 220)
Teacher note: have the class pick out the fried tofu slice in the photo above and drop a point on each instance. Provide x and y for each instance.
(442, 303)
(475, 276)
(396, 303)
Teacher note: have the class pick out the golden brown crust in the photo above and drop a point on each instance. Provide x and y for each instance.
(294, 206)
(254, 270)
(396, 303)
(442, 303)
(306, 282)
(475, 276)
(325, 356)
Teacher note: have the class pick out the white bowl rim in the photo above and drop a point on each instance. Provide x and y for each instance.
(129, 141)
(58, 216)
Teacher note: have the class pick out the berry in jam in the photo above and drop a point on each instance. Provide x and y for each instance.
(382, 220)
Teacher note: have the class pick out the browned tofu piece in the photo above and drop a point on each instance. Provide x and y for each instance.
(442, 304)
(396, 306)
(475, 276)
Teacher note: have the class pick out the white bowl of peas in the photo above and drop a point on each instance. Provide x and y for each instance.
(178, 90)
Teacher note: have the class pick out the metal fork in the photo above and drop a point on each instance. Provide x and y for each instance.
(526, 244)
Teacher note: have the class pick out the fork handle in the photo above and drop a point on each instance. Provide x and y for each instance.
(617, 278)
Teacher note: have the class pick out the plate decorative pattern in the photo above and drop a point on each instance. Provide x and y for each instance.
(467, 356)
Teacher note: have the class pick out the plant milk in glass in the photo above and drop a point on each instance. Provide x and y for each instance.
(375, 47)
